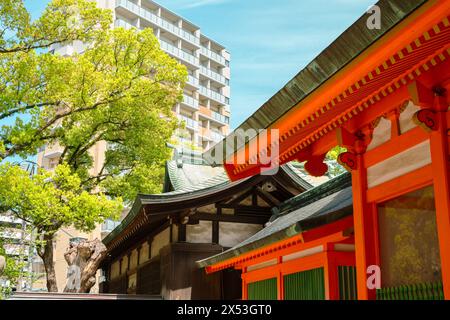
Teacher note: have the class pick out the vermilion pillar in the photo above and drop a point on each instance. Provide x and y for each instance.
(364, 233)
(441, 180)
(280, 281)
(331, 275)
(244, 285)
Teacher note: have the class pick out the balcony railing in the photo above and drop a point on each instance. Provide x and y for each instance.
(213, 95)
(216, 136)
(109, 225)
(189, 101)
(213, 75)
(10, 219)
(122, 23)
(421, 291)
(219, 117)
(190, 123)
(193, 81)
(170, 48)
(153, 18)
(213, 55)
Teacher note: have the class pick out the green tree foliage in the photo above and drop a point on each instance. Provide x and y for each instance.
(48, 201)
(62, 21)
(119, 92)
(334, 168)
(12, 272)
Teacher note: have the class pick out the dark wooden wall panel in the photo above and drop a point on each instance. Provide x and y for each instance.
(118, 285)
(149, 278)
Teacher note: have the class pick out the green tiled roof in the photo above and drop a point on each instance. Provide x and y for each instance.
(186, 175)
(321, 205)
(181, 177)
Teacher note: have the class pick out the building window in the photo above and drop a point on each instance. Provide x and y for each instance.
(409, 247)
(227, 63)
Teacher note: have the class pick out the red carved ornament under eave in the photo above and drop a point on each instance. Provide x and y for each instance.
(347, 160)
(316, 167)
(426, 119)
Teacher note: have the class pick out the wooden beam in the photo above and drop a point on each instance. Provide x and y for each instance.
(182, 232)
(240, 198)
(215, 231)
(345, 138)
(230, 218)
(267, 197)
(249, 208)
(420, 94)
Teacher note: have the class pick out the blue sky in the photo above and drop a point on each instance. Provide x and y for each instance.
(269, 41)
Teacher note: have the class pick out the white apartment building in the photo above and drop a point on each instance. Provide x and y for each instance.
(206, 100)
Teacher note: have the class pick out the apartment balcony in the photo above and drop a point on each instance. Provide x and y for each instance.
(52, 154)
(214, 116)
(214, 95)
(158, 21)
(15, 249)
(213, 55)
(6, 219)
(119, 23)
(210, 135)
(220, 117)
(178, 53)
(12, 234)
(213, 75)
(205, 133)
(186, 141)
(193, 81)
(216, 136)
(190, 102)
(108, 226)
(190, 123)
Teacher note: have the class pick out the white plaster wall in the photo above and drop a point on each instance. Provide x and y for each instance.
(231, 234)
(400, 164)
(159, 241)
(115, 270)
(133, 259)
(406, 118)
(381, 134)
(144, 252)
(199, 233)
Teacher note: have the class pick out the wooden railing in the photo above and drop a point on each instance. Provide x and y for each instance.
(421, 291)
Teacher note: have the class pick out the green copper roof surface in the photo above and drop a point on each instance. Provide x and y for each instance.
(185, 189)
(321, 205)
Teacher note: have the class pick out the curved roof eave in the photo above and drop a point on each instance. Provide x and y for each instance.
(209, 189)
(349, 45)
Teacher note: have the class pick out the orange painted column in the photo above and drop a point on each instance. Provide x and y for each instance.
(441, 179)
(280, 282)
(364, 233)
(331, 277)
(244, 284)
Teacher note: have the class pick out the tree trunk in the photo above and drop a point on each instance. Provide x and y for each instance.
(83, 259)
(47, 257)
